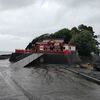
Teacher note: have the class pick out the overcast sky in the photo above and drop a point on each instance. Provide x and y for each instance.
(23, 20)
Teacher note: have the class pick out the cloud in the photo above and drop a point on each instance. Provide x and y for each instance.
(12, 4)
(30, 19)
(89, 3)
(10, 42)
(23, 20)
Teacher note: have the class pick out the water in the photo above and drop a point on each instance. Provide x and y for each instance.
(5, 52)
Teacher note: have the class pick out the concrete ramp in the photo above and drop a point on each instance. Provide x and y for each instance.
(27, 60)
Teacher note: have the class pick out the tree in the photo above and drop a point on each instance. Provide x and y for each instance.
(85, 40)
(64, 33)
(40, 38)
(82, 37)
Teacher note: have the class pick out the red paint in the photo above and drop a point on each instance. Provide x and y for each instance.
(67, 52)
(23, 51)
(52, 46)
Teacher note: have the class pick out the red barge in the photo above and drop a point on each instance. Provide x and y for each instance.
(55, 51)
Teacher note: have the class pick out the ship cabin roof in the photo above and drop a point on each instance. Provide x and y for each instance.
(47, 41)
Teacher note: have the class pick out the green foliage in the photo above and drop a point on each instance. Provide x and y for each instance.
(85, 41)
(40, 38)
(74, 31)
(82, 37)
(64, 33)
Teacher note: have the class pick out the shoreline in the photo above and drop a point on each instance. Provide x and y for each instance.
(4, 56)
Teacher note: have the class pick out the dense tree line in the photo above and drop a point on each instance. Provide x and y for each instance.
(82, 37)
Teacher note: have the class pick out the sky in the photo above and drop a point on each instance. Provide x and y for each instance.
(23, 20)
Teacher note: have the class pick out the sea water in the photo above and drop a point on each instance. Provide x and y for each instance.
(5, 52)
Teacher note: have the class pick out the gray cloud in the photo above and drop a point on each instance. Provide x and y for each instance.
(94, 19)
(79, 3)
(23, 20)
(11, 4)
(89, 3)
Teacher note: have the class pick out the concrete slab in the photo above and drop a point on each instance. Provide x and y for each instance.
(27, 60)
(53, 84)
(8, 91)
(45, 84)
